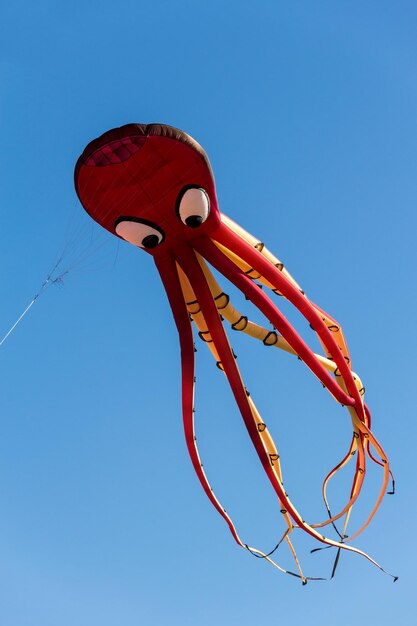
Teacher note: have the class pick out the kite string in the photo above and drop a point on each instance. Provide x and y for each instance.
(19, 319)
(46, 283)
(53, 277)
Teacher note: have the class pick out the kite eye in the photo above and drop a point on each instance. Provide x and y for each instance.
(193, 206)
(139, 232)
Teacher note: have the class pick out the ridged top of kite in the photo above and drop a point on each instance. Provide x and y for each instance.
(137, 134)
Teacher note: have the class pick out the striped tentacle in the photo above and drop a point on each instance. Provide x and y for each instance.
(194, 273)
(253, 257)
(197, 316)
(241, 323)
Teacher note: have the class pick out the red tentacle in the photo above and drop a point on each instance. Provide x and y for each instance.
(254, 258)
(266, 306)
(169, 276)
(190, 265)
(261, 300)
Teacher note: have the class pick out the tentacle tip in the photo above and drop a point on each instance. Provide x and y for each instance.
(395, 579)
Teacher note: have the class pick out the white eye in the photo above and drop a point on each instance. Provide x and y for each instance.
(194, 207)
(139, 232)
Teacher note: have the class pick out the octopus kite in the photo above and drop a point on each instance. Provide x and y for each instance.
(152, 185)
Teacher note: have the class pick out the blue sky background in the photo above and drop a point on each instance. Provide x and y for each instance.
(308, 114)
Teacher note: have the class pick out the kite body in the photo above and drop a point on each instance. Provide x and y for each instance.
(152, 185)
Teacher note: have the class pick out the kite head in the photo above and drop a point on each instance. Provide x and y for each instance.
(151, 185)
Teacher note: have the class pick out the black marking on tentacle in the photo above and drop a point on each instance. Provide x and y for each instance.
(319, 549)
(303, 579)
(271, 335)
(222, 295)
(264, 556)
(202, 334)
(192, 303)
(336, 561)
(249, 272)
(238, 325)
(334, 524)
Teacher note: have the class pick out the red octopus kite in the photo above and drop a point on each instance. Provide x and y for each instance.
(152, 185)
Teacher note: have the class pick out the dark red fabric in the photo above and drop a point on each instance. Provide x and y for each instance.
(115, 151)
(259, 298)
(255, 259)
(139, 171)
(190, 266)
(169, 276)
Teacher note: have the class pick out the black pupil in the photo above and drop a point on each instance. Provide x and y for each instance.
(193, 221)
(150, 241)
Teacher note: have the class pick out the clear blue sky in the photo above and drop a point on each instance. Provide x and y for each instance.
(308, 114)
